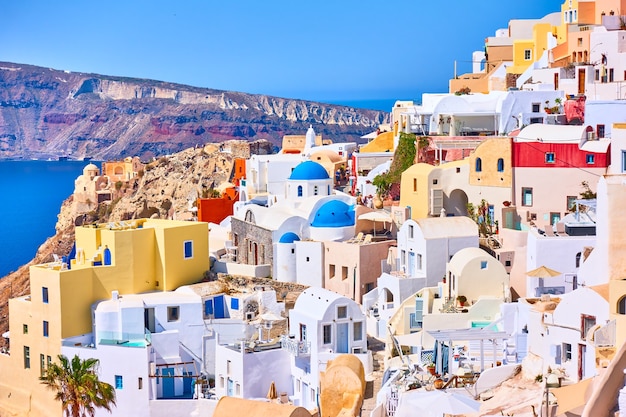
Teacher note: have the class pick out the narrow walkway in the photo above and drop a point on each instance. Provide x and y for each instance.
(374, 380)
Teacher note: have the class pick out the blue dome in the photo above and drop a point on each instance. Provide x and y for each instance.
(334, 213)
(289, 237)
(309, 170)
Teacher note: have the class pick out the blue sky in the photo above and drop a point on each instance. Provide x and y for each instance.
(324, 50)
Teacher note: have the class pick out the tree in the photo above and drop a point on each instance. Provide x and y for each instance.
(77, 386)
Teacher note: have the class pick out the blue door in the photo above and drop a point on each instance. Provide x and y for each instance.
(229, 388)
(168, 382)
(342, 338)
(218, 307)
(208, 308)
(186, 383)
(411, 264)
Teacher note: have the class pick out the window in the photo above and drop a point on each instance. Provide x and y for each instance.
(597, 75)
(621, 305)
(44, 294)
(527, 197)
(578, 256)
(483, 264)
(327, 333)
(410, 231)
(435, 181)
(48, 360)
(536, 107)
(25, 328)
(458, 170)
(580, 41)
(188, 247)
(419, 261)
(221, 382)
(479, 165)
(315, 190)
(140, 383)
(414, 184)
(299, 191)
(45, 329)
(357, 332)
(500, 165)
(566, 352)
(528, 54)
(234, 303)
(507, 263)
(549, 157)
(26, 357)
(238, 389)
(42, 364)
(611, 75)
(600, 131)
(303, 332)
(586, 323)
(173, 313)
(119, 382)
(228, 365)
(623, 161)
(591, 158)
(342, 312)
(344, 272)
(331, 271)
(534, 120)
(571, 202)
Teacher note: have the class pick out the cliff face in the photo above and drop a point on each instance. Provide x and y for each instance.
(167, 189)
(45, 113)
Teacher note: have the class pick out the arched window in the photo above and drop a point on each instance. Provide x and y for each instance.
(299, 191)
(500, 165)
(621, 305)
(479, 165)
(578, 255)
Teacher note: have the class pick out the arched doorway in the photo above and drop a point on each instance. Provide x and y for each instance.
(457, 203)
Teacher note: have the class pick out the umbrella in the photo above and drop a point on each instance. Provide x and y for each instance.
(271, 393)
(376, 216)
(435, 403)
(543, 272)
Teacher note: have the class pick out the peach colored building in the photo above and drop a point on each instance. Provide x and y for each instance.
(123, 170)
(351, 269)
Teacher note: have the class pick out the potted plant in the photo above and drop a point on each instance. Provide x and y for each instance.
(462, 300)
(431, 368)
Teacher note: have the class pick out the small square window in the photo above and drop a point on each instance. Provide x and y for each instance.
(173, 313)
(507, 263)
(188, 247)
(234, 303)
(591, 158)
(331, 271)
(435, 181)
(483, 264)
(119, 382)
(44, 294)
(342, 312)
(536, 107)
(549, 157)
(528, 54)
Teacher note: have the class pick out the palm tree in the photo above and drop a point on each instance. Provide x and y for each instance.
(77, 386)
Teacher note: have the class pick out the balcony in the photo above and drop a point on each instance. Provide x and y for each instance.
(297, 348)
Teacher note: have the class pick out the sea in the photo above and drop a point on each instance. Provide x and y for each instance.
(31, 194)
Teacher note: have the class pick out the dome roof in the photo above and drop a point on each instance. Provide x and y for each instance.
(90, 167)
(289, 237)
(309, 170)
(334, 213)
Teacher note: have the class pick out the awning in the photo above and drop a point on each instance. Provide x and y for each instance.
(411, 339)
(6, 335)
(371, 135)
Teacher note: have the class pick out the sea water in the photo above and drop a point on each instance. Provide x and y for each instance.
(31, 194)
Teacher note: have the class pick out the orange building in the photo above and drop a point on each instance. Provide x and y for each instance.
(214, 210)
(122, 170)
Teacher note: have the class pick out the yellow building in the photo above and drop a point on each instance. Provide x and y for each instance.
(527, 51)
(382, 143)
(128, 258)
(490, 164)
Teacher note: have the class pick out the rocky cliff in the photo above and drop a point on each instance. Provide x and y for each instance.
(46, 113)
(167, 189)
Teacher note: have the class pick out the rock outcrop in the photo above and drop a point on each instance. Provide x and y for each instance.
(46, 113)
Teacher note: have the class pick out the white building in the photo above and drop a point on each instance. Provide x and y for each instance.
(322, 325)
